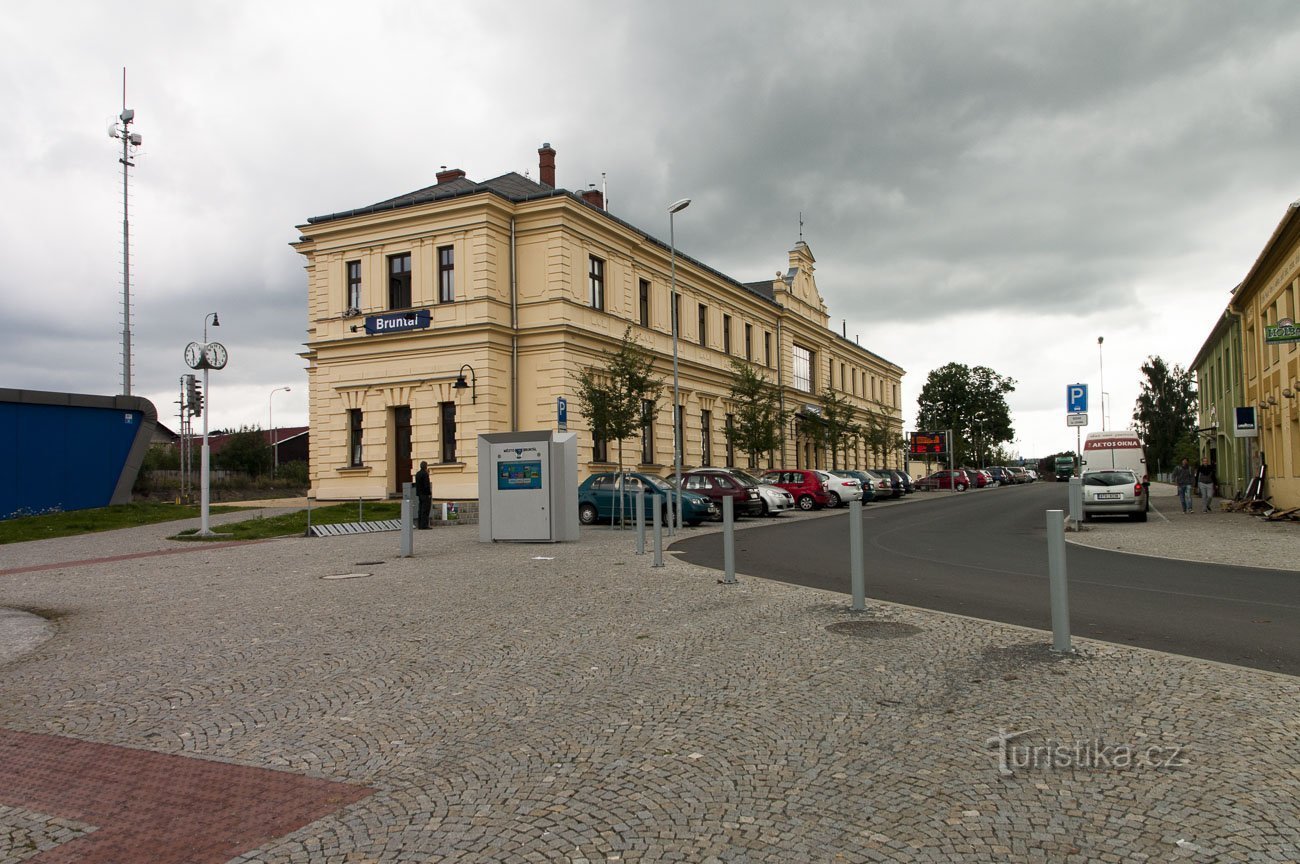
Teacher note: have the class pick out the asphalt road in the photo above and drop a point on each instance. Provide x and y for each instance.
(984, 554)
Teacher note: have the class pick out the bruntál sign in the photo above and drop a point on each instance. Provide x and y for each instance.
(395, 322)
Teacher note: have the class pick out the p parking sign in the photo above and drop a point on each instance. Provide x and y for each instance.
(1076, 398)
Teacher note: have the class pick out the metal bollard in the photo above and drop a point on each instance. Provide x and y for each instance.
(1076, 501)
(408, 528)
(858, 577)
(729, 540)
(1058, 580)
(659, 532)
(640, 522)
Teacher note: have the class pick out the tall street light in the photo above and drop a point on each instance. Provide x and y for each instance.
(270, 424)
(673, 209)
(1101, 370)
(205, 464)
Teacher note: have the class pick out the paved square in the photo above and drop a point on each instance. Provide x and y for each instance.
(510, 708)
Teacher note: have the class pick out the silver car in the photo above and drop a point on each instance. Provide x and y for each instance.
(775, 499)
(1115, 492)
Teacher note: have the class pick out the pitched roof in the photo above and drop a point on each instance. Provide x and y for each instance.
(512, 186)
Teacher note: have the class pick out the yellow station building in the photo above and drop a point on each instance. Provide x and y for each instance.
(471, 307)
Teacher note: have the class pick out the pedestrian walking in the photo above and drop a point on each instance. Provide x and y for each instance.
(1184, 479)
(424, 492)
(1205, 480)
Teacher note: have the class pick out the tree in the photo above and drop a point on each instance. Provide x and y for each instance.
(614, 395)
(1165, 412)
(757, 419)
(972, 403)
(837, 423)
(879, 436)
(245, 451)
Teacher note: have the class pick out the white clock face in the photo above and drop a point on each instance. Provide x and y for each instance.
(194, 355)
(214, 353)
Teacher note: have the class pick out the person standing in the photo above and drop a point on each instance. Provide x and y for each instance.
(1205, 479)
(1184, 477)
(424, 492)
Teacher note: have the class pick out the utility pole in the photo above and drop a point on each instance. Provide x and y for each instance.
(130, 140)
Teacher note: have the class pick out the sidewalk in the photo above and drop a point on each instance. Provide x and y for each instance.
(517, 703)
(1216, 537)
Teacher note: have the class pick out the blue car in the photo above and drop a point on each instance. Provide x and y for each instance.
(598, 499)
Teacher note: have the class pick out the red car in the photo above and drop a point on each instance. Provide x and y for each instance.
(718, 483)
(945, 480)
(803, 484)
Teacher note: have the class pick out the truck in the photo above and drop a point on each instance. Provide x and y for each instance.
(1123, 449)
(1064, 467)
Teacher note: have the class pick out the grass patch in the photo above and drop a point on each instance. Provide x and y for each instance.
(295, 524)
(76, 522)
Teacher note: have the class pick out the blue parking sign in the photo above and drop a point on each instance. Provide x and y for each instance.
(1076, 398)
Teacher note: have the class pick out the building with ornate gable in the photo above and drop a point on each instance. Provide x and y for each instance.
(472, 307)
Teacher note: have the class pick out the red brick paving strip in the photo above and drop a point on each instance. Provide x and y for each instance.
(154, 807)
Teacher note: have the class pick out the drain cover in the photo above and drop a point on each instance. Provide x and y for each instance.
(347, 576)
(873, 629)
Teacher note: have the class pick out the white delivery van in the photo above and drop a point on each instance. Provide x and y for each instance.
(1115, 450)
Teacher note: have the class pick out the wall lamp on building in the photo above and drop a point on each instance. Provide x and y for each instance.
(471, 385)
(1272, 400)
(1288, 393)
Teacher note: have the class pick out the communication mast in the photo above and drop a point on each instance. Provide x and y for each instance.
(130, 141)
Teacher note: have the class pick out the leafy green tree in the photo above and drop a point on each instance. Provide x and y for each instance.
(614, 394)
(879, 436)
(1165, 413)
(971, 401)
(757, 418)
(837, 423)
(245, 451)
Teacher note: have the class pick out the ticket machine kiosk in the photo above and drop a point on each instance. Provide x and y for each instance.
(528, 486)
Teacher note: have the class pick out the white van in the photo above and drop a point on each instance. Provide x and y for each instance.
(1123, 449)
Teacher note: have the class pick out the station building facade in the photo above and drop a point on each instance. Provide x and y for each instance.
(471, 307)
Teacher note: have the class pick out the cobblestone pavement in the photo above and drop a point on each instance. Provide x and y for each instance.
(1217, 537)
(518, 703)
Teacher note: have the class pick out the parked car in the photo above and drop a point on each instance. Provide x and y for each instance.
(598, 498)
(977, 478)
(895, 482)
(1115, 491)
(955, 479)
(841, 490)
(882, 486)
(909, 483)
(1000, 475)
(775, 500)
(803, 484)
(865, 481)
(719, 483)
(1020, 475)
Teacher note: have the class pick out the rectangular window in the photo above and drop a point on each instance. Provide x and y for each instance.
(842, 387)
(354, 438)
(726, 333)
(399, 281)
(749, 341)
(706, 445)
(803, 369)
(599, 449)
(446, 274)
(447, 418)
(643, 302)
(731, 434)
(354, 285)
(677, 314)
(703, 322)
(647, 432)
(895, 402)
(596, 276)
(767, 349)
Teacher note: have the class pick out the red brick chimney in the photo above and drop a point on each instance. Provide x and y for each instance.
(594, 198)
(546, 165)
(447, 175)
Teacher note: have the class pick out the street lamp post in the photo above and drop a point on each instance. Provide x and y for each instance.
(270, 425)
(1101, 371)
(204, 465)
(673, 209)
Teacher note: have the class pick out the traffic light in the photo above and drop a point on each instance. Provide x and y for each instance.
(196, 403)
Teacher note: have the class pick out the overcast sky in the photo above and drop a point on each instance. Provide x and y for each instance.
(982, 182)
